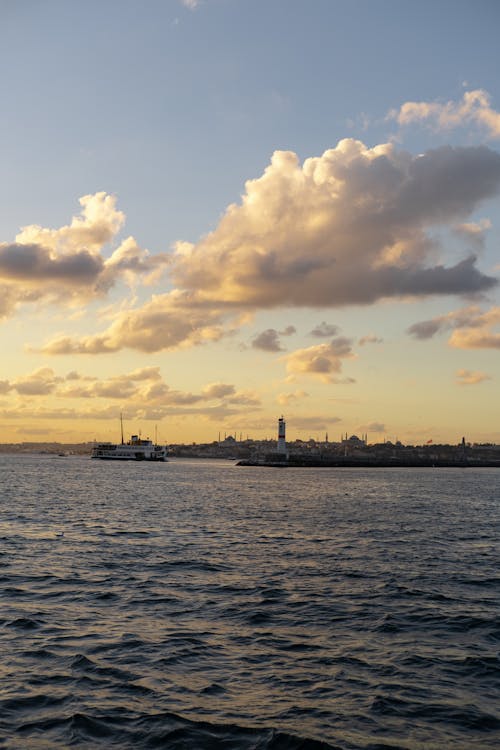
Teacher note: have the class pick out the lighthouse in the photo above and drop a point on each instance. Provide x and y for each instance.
(281, 436)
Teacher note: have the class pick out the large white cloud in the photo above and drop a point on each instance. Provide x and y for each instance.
(353, 226)
(349, 227)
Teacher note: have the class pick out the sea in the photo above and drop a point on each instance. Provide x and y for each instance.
(199, 604)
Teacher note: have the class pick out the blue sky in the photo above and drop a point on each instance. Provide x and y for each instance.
(152, 100)
(171, 107)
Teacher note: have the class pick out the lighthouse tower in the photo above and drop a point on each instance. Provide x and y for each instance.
(281, 436)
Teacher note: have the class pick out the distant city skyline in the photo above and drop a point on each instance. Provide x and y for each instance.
(216, 212)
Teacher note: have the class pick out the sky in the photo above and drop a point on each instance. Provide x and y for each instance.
(216, 212)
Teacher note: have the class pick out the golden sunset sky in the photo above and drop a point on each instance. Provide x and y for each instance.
(213, 213)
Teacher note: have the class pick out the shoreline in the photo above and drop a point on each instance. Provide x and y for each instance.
(363, 464)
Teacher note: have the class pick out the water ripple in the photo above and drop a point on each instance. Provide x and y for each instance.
(199, 605)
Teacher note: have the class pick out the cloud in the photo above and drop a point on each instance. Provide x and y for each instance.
(425, 329)
(98, 223)
(191, 4)
(344, 228)
(131, 411)
(472, 328)
(74, 375)
(133, 263)
(120, 387)
(5, 386)
(471, 338)
(474, 108)
(473, 232)
(142, 373)
(467, 317)
(314, 423)
(268, 341)
(104, 412)
(376, 427)
(39, 383)
(167, 321)
(350, 227)
(139, 384)
(324, 330)
(466, 377)
(141, 393)
(67, 266)
(285, 399)
(370, 339)
(218, 390)
(34, 262)
(245, 398)
(323, 361)
(37, 431)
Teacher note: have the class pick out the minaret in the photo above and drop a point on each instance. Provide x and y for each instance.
(281, 435)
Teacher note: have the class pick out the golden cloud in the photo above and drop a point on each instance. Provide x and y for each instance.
(142, 392)
(344, 228)
(323, 361)
(466, 377)
(67, 265)
(472, 328)
(349, 227)
(285, 399)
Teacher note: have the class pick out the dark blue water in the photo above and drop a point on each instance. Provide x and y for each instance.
(202, 605)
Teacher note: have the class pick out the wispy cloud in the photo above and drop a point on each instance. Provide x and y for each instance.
(314, 423)
(142, 392)
(370, 339)
(472, 328)
(467, 377)
(324, 330)
(285, 399)
(473, 232)
(376, 427)
(474, 108)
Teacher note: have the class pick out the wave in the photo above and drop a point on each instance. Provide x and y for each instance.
(163, 730)
(292, 611)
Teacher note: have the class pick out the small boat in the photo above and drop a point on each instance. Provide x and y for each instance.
(136, 449)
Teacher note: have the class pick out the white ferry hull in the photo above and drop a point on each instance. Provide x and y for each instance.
(117, 457)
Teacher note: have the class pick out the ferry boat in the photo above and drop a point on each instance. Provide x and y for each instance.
(135, 449)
